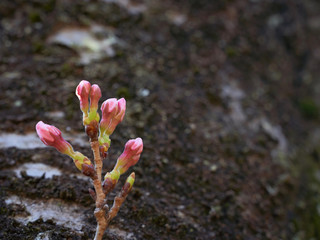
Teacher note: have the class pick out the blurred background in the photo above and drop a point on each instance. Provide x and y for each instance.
(224, 93)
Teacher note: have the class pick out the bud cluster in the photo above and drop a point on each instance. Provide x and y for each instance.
(86, 92)
(113, 111)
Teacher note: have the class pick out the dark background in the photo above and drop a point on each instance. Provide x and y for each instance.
(224, 93)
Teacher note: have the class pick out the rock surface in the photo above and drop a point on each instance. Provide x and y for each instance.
(225, 95)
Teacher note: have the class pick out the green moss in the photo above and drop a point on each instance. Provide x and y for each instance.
(66, 69)
(306, 221)
(231, 51)
(308, 108)
(160, 220)
(123, 92)
(37, 47)
(34, 17)
(3, 210)
(49, 5)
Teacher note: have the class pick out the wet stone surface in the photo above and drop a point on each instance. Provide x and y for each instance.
(67, 215)
(225, 95)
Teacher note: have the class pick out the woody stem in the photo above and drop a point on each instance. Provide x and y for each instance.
(100, 211)
(97, 158)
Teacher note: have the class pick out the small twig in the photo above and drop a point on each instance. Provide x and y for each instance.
(118, 201)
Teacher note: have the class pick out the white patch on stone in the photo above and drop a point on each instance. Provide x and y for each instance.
(234, 95)
(55, 114)
(67, 215)
(275, 20)
(132, 7)
(25, 141)
(43, 236)
(275, 132)
(176, 17)
(144, 92)
(121, 233)
(86, 42)
(37, 170)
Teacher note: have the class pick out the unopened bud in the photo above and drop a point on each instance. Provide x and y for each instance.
(51, 136)
(129, 183)
(113, 112)
(82, 92)
(109, 109)
(92, 130)
(80, 161)
(130, 155)
(104, 142)
(95, 95)
(103, 151)
(88, 170)
(110, 181)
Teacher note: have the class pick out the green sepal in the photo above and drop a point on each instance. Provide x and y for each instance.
(92, 116)
(104, 138)
(114, 175)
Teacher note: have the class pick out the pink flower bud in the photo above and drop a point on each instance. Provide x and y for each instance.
(51, 136)
(121, 109)
(112, 114)
(130, 155)
(109, 109)
(82, 92)
(95, 95)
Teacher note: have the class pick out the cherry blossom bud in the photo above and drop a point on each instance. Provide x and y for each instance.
(118, 117)
(110, 181)
(95, 95)
(82, 92)
(104, 142)
(112, 114)
(88, 170)
(127, 186)
(51, 136)
(82, 162)
(109, 109)
(130, 155)
(93, 117)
